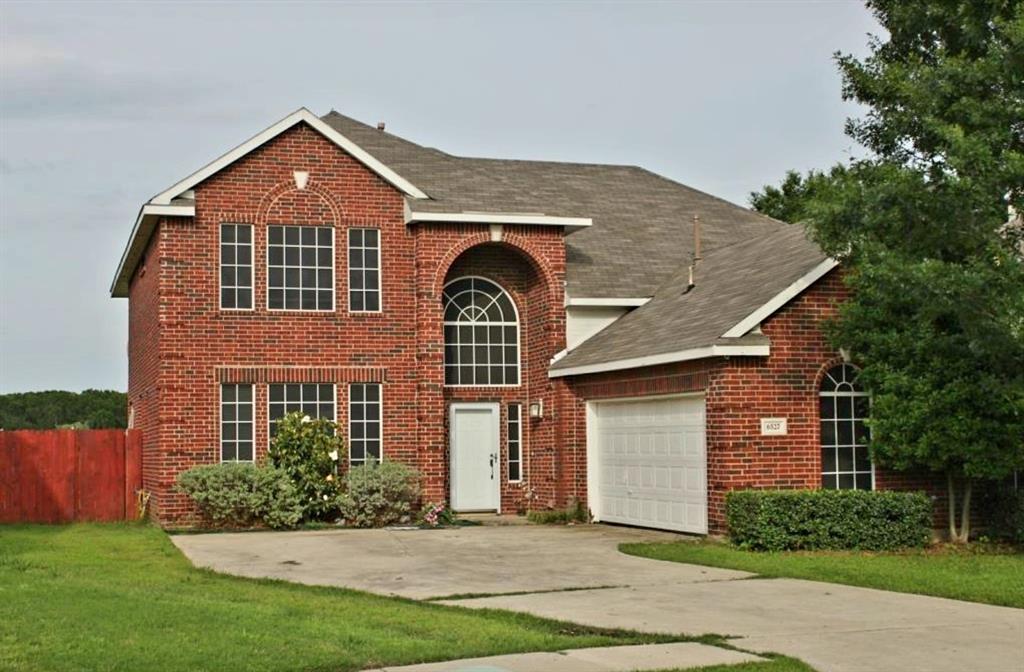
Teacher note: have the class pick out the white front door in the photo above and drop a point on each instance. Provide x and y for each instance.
(475, 469)
(648, 464)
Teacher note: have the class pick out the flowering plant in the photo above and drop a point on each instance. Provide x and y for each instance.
(435, 515)
(308, 449)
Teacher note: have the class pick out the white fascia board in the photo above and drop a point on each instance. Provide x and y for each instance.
(666, 358)
(495, 218)
(300, 115)
(149, 210)
(609, 303)
(779, 300)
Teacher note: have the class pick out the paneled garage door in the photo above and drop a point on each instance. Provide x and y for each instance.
(649, 461)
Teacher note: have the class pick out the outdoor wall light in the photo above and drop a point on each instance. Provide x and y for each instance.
(537, 409)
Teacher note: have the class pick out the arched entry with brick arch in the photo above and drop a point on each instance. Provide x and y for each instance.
(503, 324)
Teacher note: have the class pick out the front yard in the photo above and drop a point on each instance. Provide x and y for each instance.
(122, 597)
(976, 573)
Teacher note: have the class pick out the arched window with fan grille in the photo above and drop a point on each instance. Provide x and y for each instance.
(844, 406)
(481, 334)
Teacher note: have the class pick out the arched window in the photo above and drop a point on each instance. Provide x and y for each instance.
(845, 461)
(481, 334)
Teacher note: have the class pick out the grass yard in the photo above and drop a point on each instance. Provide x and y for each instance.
(992, 575)
(776, 664)
(121, 597)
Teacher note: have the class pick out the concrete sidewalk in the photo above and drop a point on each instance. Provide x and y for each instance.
(683, 655)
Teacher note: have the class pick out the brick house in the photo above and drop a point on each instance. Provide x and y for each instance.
(524, 333)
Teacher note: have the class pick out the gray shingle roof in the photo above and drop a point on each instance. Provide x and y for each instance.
(731, 283)
(642, 222)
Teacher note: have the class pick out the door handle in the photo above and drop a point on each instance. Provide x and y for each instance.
(494, 459)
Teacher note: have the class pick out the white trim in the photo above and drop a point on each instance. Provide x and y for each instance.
(149, 210)
(611, 303)
(495, 218)
(779, 300)
(495, 409)
(298, 116)
(667, 358)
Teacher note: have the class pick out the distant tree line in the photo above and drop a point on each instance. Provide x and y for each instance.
(92, 409)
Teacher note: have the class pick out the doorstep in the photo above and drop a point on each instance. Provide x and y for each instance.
(494, 519)
(681, 655)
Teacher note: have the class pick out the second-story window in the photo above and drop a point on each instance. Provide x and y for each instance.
(236, 266)
(363, 270)
(300, 268)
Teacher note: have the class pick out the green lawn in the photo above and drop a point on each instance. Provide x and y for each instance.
(121, 597)
(976, 573)
(776, 664)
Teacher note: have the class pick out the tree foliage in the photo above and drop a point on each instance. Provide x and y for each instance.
(936, 318)
(94, 409)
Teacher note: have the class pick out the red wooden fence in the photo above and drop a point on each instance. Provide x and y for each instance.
(65, 475)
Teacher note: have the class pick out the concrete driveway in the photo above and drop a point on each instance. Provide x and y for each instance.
(831, 627)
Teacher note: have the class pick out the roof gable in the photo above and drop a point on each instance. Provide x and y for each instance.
(302, 115)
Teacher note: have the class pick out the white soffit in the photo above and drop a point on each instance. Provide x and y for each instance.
(625, 302)
(762, 350)
(495, 218)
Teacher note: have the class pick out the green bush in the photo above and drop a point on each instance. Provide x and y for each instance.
(382, 494)
(308, 451)
(574, 513)
(241, 494)
(786, 520)
(1003, 513)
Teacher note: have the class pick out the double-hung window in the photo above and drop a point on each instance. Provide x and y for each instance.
(313, 399)
(363, 270)
(300, 268)
(364, 423)
(236, 266)
(236, 423)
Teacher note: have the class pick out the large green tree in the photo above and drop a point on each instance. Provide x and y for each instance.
(925, 231)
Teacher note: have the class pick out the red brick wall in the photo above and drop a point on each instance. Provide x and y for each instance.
(742, 390)
(183, 345)
(144, 358)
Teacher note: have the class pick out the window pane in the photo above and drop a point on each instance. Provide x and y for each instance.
(864, 481)
(828, 459)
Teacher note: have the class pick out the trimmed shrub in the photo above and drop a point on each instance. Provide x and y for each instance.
(381, 494)
(789, 520)
(308, 451)
(241, 494)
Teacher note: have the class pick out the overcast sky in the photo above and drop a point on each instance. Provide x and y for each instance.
(104, 105)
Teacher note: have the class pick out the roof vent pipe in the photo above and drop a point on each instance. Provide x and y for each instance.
(380, 125)
(696, 254)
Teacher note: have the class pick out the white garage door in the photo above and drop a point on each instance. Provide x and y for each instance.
(650, 463)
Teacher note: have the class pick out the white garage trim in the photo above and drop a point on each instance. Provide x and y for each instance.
(594, 462)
